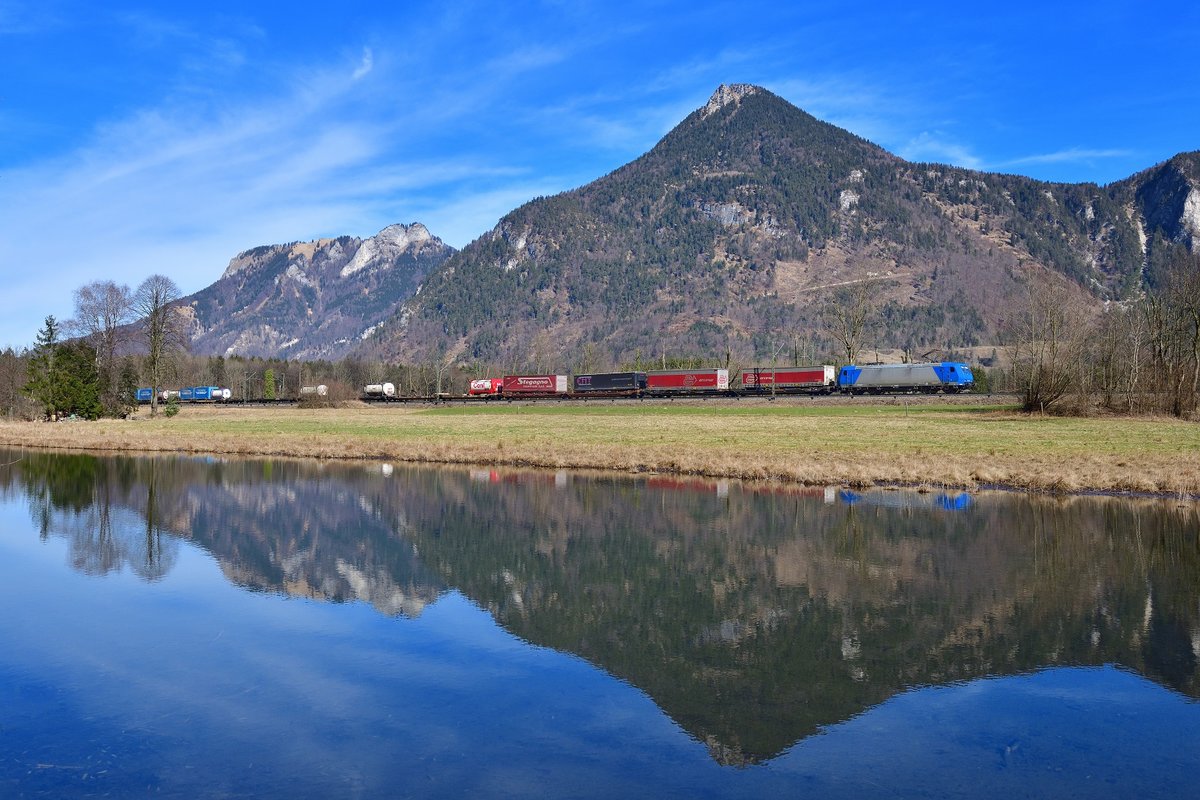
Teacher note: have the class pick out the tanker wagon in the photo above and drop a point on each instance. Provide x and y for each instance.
(485, 386)
(379, 391)
(947, 376)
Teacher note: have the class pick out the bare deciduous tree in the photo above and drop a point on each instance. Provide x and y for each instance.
(102, 308)
(13, 375)
(1172, 315)
(1115, 356)
(162, 326)
(847, 315)
(1046, 343)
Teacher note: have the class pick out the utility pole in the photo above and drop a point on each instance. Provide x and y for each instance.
(775, 368)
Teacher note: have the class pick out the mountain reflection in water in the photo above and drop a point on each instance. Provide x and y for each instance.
(753, 615)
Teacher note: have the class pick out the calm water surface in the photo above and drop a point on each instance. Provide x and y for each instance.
(212, 629)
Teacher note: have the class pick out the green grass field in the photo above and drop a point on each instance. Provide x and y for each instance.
(915, 443)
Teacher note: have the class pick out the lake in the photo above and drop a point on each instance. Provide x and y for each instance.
(205, 628)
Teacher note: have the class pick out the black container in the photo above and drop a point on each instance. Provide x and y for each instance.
(610, 382)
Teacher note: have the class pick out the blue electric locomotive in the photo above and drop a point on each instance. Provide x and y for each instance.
(942, 376)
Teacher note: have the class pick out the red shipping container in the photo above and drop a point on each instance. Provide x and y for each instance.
(789, 377)
(688, 380)
(535, 384)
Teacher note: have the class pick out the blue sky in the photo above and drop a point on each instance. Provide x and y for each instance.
(146, 137)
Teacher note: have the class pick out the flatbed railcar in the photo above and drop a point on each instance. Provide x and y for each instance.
(821, 378)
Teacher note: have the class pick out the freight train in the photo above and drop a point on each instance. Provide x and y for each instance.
(949, 377)
(188, 394)
(928, 378)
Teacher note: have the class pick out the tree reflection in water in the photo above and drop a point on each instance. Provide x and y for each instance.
(753, 615)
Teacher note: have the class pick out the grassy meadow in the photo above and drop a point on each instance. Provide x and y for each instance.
(914, 443)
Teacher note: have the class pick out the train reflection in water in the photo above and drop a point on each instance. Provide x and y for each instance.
(946, 501)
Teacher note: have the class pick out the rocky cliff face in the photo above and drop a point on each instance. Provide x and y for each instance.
(1168, 198)
(314, 299)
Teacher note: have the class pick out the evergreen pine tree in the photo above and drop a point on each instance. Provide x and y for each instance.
(43, 378)
(78, 382)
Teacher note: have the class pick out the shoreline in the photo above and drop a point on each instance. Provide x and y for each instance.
(933, 447)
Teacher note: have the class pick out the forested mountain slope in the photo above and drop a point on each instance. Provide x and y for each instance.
(739, 229)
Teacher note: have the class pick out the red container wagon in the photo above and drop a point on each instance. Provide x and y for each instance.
(684, 381)
(486, 386)
(535, 384)
(790, 379)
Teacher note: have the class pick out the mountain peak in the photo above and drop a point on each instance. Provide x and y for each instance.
(390, 243)
(403, 236)
(728, 93)
(312, 299)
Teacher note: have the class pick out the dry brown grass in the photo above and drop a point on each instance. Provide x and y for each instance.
(859, 445)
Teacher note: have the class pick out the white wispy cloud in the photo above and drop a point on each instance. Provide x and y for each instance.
(179, 189)
(457, 219)
(365, 66)
(524, 59)
(935, 146)
(218, 164)
(855, 103)
(1070, 155)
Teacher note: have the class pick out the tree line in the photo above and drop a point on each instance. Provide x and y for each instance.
(121, 339)
(1139, 356)
(1059, 351)
(85, 367)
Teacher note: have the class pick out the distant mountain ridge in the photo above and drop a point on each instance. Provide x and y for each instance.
(309, 300)
(732, 232)
(725, 240)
